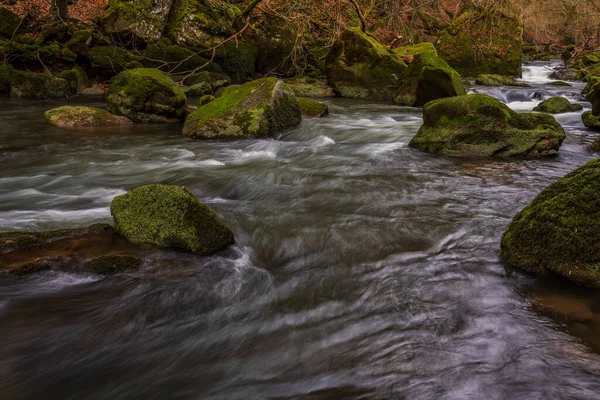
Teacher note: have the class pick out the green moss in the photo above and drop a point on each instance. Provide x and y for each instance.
(557, 105)
(560, 230)
(482, 41)
(114, 263)
(479, 125)
(361, 67)
(312, 108)
(592, 91)
(211, 80)
(308, 87)
(590, 121)
(30, 85)
(146, 95)
(74, 116)
(206, 99)
(135, 21)
(259, 108)
(80, 42)
(31, 268)
(497, 80)
(169, 216)
(9, 22)
(425, 47)
(428, 78)
(76, 78)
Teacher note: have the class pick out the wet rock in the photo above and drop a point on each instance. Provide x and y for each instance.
(590, 121)
(558, 231)
(259, 108)
(114, 263)
(560, 84)
(498, 80)
(310, 87)
(557, 105)
(207, 98)
(146, 95)
(427, 78)
(169, 216)
(565, 74)
(77, 116)
(482, 41)
(360, 67)
(31, 85)
(77, 79)
(596, 144)
(592, 94)
(92, 91)
(312, 108)
(479, 125)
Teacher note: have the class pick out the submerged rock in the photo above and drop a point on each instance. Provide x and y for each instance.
(169, 216)
(479, 125)
(259, 108)
(482, 41)
(74, 116)
(32, 85)
(146, 95)
(557, 105)
(362, 68)
(428, 78)
(559, 231)
(312, 108)
(498, 80)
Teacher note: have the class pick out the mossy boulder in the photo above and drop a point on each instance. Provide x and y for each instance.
(557, 105)
(592, 94)
(256, 109)
(483, 41)
(75, 116)
(114, 263)
(6, 73)
(175, 59)
(427, 78)
(358, 66)
(31, 85)
(312, 108)
(497, 80)
(238, 60)
(110, 60)
(479, 125)
(207, 98)
(169, 216)
(146, 95)
(310, 87)
(414, 49)
(77, 79)
(205, 83)
(9, 23)
(136, 22)
(590, 121)
(201, 23)
(559, 231)
(275, 39)
(80, 42)
(565, 74)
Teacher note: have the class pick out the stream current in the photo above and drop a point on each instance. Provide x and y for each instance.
(362, 269)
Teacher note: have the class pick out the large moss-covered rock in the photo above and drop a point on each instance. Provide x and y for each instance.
(31, 85)
(205, 82)
(259, 108)
(238, 60)
(361, 67)
(590, 121)
(310, 87)
(146, 95)
(275, 39)
(479, 125)
(497, 80)
(201, 23)
(136, 21)
(482, 41)
(110, 60)
(175, 59)
(80, 41)
(428, 78)
(9, 22)
(414, 49)
(557, 105)
(312, 108)
(73, 116)
(169, 216)
(560, 230)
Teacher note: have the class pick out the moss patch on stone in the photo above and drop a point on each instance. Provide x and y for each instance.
(32, 85)
(414, 49)
(6, 73)
(78, 116)
(259, 108)
(479, 125)
(557, 105)
(590, 121)
(560, 230)
(498, 80)
(309, 87)
(114, 263)
(312, 108)
(77, 79)
(146, 95)
(169, 216)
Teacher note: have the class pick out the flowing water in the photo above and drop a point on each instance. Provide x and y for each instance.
(362, 269)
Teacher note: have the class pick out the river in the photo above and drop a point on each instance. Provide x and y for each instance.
(362, 269)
